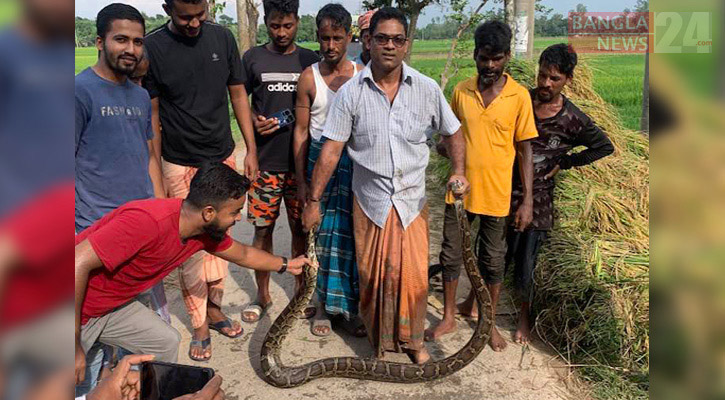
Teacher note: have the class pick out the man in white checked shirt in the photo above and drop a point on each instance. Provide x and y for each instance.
(384, 116)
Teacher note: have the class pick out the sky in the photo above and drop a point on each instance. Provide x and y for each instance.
(89, 8)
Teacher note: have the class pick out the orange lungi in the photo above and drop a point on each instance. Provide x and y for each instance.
(393, 266)
(202, 275)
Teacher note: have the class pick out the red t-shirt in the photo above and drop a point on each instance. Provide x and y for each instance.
(139, 245)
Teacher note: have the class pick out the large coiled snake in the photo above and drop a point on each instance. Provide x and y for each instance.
(277, 374)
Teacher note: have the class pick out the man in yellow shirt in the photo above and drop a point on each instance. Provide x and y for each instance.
(497, 121)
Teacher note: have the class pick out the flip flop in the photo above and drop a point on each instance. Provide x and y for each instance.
(321, 322)
(309, 312)
(227, 323)
(257, 309)
(204, 344)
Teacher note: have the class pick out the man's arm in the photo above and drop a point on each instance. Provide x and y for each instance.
(243, 114)
(156, 126)
(155, 171)
(456, 149)
(525, 212)
(301, 138)
(324, 167)
(86, 260)
(260, 260)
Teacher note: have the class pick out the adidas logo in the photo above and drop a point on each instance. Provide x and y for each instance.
(282, 87)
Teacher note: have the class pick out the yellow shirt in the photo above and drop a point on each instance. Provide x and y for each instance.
(490, 134)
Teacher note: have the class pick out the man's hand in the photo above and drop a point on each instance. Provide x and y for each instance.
(524, 216)
(302, 190)
(211, 391)
(297, 266)
(123, 384)
(552, 173)
(80, 364)
(311, 215)
(251, 166)
(458, 184)
(265, 126)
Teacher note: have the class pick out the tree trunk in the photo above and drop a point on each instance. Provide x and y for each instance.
(247, 15)
(644, 122)
(411, 32)
(212, 10)
(508, 11)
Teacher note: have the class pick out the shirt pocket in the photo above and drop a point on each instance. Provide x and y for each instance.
(502, 135)
(417, 127)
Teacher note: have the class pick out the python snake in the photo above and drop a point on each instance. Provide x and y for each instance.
(277, 374)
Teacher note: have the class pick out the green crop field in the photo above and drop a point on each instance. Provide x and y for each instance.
(617, 78)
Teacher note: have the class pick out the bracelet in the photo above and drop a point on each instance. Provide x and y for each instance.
(310, 198)
(284, 266)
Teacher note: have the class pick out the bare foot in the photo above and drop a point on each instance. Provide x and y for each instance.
(468, 309)
(521, 336)
(497, 342)
(421, 356)
(444, 327)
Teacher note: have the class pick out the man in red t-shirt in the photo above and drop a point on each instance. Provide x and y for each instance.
(135, 246)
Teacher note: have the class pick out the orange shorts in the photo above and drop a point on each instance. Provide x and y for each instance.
(265, 198)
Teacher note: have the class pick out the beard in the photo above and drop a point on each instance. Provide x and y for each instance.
(489, 76)
(116, 64)
(215, 232)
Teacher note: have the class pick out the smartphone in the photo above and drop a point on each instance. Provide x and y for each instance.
(167, 381)
(285, 117)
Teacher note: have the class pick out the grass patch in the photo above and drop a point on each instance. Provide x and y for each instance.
(592, 298)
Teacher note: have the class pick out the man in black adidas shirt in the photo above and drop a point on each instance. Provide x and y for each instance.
(270, 73)
(194, 64)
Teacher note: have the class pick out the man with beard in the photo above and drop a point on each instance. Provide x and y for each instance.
(270, 74)
(138, 244)
(561, 126)
(498, 122)
(113, 137)
(384, 116)
(194, 69)
(337, 279)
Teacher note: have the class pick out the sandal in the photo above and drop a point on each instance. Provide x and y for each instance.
(257, 309)
(321, 322)
(227, 323)
(309, 312)
(204, 344)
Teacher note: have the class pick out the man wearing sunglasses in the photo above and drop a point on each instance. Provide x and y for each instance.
(384, 115)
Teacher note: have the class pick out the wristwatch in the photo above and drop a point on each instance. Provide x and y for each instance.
(284, 266)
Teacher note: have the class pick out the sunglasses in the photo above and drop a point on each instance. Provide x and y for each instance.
(382, 40)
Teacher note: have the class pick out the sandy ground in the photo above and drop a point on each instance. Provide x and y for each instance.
(517, 373)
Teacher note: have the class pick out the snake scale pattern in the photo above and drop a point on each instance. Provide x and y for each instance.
(277, 374)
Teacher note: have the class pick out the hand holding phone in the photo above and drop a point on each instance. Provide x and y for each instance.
(167, 381)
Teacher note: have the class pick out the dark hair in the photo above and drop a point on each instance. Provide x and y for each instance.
(282, 7)
(493, 37)
(113, 12)
(337, 14)
(215, 183)
(562, 56)
(170, 3)
(385, 14)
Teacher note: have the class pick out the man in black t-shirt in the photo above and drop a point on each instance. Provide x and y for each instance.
(270, 73)
(194, 64)
(561, 126)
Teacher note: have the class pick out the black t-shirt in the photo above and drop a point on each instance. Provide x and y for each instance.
(190, 77)
(271, 79)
